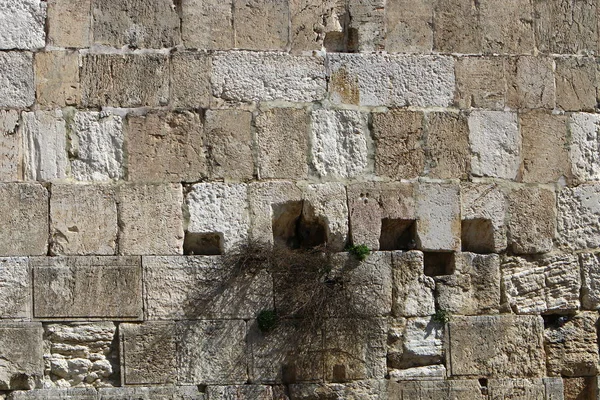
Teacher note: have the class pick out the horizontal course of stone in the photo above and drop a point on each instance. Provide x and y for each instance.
(142, 141)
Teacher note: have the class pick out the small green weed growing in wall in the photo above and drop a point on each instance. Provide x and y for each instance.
(441, 316)
(267, 320)
(360, 252)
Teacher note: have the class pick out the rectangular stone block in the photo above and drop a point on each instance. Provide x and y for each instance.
(15, 288)
(367, 389)
(251, 76)
(151, 393)
(10, 146)
(207, 24)
(24, 222)
(129, 80)
(415, 343)
(22, 24)
(87, 287)
(57, 78)
(165, 147)
(22, 362)
(540, 285)
(391, 80)
(69, 23)
(412, 290)
(83, 220)
(45, 156)
(190, 79)
(55, 394)
(438, 216)
(212, 352)
(584, 159)
(367, 19)
(17, 89)
(578, 212)
(327, 202)
(487, 345)
(409, 26)
(138, 24)
(521, 388)
(240, 392)
(507, 26)
(432, 389)
(447, 149)
(317, 24)
(530, 82)
(576, 83)
(457, 27)
(261, 24)
(150, 219)
(480, 83)
(148, 353)
(590, 280)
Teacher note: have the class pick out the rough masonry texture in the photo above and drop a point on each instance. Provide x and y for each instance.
(299, 199)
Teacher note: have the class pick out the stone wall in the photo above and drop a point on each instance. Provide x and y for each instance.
(142, 142)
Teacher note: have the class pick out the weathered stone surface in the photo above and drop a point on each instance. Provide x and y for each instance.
(212, 352)
(282, 143)
(44, 145)
(392, 80)
(579, 388)
(548, 283)
(474, 288)
(202, 287)
(250, 76)
(532, 220)
(219, 208)
(83, 220)
(55, 394)
(438, 215)
(436, 389)
(207, 24)
(80, 354)
(261, 24)
(398, 140)
(369, 389)
(15, 288)
(418, 344)
(87, 287)
(496, 346)
(148, 353)
(165, 147)
(507, 27)
(447, 147)
(590, 280)
(22, 24)
(129, 80)
(317, 24)
(21, 347)
(480, 83)
(409, 26)
(367, 19)
(495, 144)
(578, 217)
(545, 148)
(138, 23)
(571, 346)
(413, 291)
(576, 82)
(426, 373)
(229, 144)
(339, 143)
(457, 28)
(24, 222)
(530, 82)
(542, 389)
(69, 23)
(186, 92)
(96, 146)
(17, 87)
(241, 392)
(584, 143)
(328, 202)
(10, 146)
(57, 78)
(150, 219)
(566, 27)
(151, 393)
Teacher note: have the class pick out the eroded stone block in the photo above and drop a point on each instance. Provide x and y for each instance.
(207, 24)
(45, 154)
(367, 19)
(436, 389)
(367, 389)
(69, 23)
(438, 216)
(241, 392)
(57, 78)
(152, 393)
(55, 394)
(261, 24)
(15, 288)
(413, 290)
(480, 83)
(22, 363)
(521, 388)
(409, 26)
(10, 146)
(17, 88)
(22, 24)
(583, 154)
(327, 202)
(590, 280)
(578, 211)
(530, 82)
(447, 150)
(457, 27)
(576, 82)
(317, 24)
(507, 27)
(194, 92)
(417, 344)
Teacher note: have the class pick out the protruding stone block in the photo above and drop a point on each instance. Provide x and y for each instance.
(69, 23)
(578, 213)
(22, 355)
(57, 78)
(409, 26)
(590, 280)
(22, 24)
(438, 216)
(576, 83)
(45, 155)
(447, 150)
(584, 158)
(207, 24)
(194, 92)
(87, 287)
(15, 288)
(530, 82)
(480, 83)
(17, 88)
(261, 24)
(507, 27)
(413, 291)
(10, 146)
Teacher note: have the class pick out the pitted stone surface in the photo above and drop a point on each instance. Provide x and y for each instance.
(186, 92)
(583, 150)
(207, 24)
(578, 217)
(261, 24)
(75, 33)
(22, 24)
(17, 88)
(15, 288)
(590, 280)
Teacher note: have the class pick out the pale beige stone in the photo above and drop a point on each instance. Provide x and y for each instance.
(261, 24)
(57, 78)
(10, 146)
(457, 27)
(367, 19)
(447, 150)
(317, 24)
(507, 26)
(576, 81)
(327, 202)
(417, 342)
(190, 79)
(15, 288)
(413, 291)
(578, 211)
(530, 82)
(438, 216)
(17, 89)
(22, 363)
(523, 388)
(409, 26)
(207, 24)
(480, 83)
(590, 280)
(69, 23)
(240, 392)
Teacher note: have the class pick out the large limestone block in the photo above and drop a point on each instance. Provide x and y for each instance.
(438, 216)
(69, 23)
(15, 288)
(425, 373)
(327, 202)
(339, 143)
(261, 24)
(532, 220)
(57, 78)
(367, 389)
(495, 144)
(583, 150)
(207, 24)
(203, 287)
(391, 80)
(139, 23)
(150, 219)
(436, 389)
(22, 363)
(317, 24)
(251, 76)
(24, 222)
(87, 287)
(83, 220)
(22, 24)
(282, 136)
(496, 346)
(416, 344)
(412, 290)
(55, 394)
(399, 144)
(571, 345)
(367, 19)
(45, 137)
(10, 146)
(240, 392)
(590, 280)
(148, 353)
(548, 283)
(165, 147)
(447, 150)
(576, 82)
(17, 88)
(579, 217)
(480, 83)
(151, 393)
(230, 144)
(530, 82)
(219, 208)
(190, 79)
(536, 388)
(129, 80)
(409, 26)
(212, 352)
(457, 27)
(507, 27)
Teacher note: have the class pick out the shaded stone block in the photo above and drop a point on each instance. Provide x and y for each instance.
(327, 202)
(480, 83)
(413, 291)
(261, 24)
(530, 82)
(415, 343)
(507, 27)
(576, 83)
(194, 92)
(207, 24)
(15, 288)
(241, 392)
(577, 223)
(317, 24)
(45, 154)
(22, 24)
(22, 363)
(10, 146)
(57, 78)
(438, 216)
(69, 23)
(17, 87)
(447, 150)
(409, 26)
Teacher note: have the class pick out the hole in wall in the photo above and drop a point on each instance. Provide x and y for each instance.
(206, 244)
(288, 373)
(334, 42)
(398, 234)
(483, 385)
(295, 225)
(477, 235)
(439, 263)
(339, 373)
(284, 220)
(555, 321)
